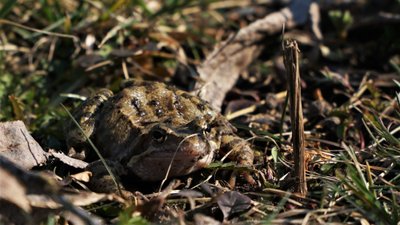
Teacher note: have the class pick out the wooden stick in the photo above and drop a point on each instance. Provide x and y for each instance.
(291, 59)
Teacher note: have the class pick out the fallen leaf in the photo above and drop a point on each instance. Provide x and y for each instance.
(151, 208)
(12, 191)
(83, 176)
(232, 203)
(17, 145)
(15, 185)
(76, 163)
(82, 198)
(23, 193)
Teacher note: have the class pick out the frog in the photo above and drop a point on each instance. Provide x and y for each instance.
(153, 131)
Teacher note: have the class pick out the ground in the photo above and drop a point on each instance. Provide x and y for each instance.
(56, 53)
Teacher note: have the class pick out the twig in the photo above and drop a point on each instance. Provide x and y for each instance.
(291, 59)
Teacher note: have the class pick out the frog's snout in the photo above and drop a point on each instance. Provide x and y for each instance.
(181, 155)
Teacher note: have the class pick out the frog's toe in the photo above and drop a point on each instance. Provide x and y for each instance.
(247, 176)
(72, 152)
(102, 180)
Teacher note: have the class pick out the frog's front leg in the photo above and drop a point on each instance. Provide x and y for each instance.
(240, 151)
(86, 116)
(102, 181)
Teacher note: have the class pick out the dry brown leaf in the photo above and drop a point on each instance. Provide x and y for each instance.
(83, 176)
(12, 191)
(220, 70)
(76, 163)
(82, 198)
(21, 191)
(15, 185)
(18, 145)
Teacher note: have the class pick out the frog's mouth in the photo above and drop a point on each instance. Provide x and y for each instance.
(175, 156)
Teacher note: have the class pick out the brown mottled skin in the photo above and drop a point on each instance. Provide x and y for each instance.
(147, 124)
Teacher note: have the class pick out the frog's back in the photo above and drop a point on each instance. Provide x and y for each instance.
(142, 103)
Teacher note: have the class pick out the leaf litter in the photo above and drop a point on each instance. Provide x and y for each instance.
(351, 106)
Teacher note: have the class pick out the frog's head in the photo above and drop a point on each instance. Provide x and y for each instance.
(183, 149)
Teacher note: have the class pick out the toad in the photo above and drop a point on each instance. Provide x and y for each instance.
(153, 130)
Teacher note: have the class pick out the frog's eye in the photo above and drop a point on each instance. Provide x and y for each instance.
(159, 136)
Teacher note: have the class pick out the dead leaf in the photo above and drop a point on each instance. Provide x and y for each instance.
(237, 105)
(190, 194)
(232, 203)
(82, 198)
(149, 209)
(23, 193)
(76, 163)
(83, 176)
(43, 201)
(87, 61)
(85, 198)
(15, 185)
(12, 191)
(19, 146)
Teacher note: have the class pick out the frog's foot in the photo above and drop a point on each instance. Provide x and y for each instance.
(103, 181)
(246, 175)
(240, 151)
(72, 152)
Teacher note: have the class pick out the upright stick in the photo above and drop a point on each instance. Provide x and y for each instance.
(291, 59)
